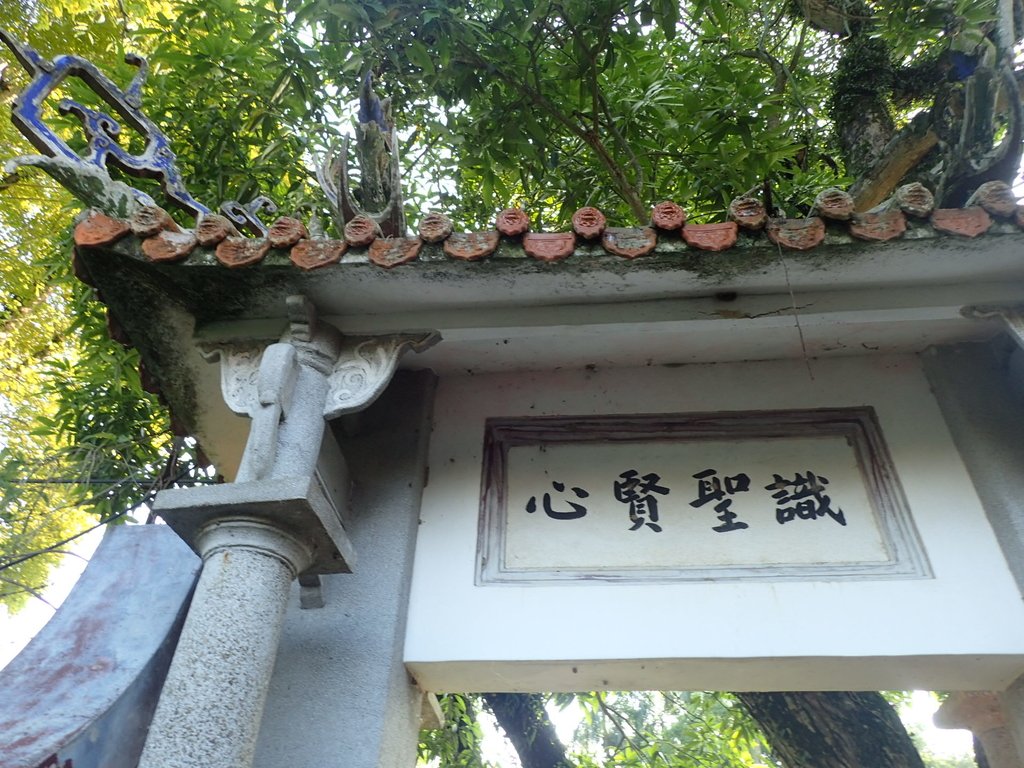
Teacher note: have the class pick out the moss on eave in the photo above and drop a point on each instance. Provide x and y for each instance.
(209, 291)
(160, 304)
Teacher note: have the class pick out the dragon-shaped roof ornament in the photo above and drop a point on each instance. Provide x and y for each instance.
(380, 185)
(86, 176)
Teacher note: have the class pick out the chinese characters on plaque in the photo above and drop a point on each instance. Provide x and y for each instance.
(790, 494)
(800, 498)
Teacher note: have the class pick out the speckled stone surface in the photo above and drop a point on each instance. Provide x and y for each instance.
(210, 708)
(368, 712)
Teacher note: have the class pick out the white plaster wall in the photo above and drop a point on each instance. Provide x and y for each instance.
(964, 628)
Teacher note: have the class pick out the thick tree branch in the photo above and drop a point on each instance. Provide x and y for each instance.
(902, 154)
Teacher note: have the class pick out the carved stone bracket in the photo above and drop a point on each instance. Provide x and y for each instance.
(365, 367)
(239, 369)
(292, 473)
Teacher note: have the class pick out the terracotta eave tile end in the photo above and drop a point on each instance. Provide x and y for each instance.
(711, 237)
(435, 227)
(391, 251)
(549, 246)
(213, 228)
(242, 251)
(629, 242)
(512, 222)
(996, 197)
(168, 246)
(99, 230)
(748, 213)
(286, 232)
(313, 254)
(966, 222)
(915, 200)
(668, 216)
(360, 231)
(879, 227)
(589, 223)
(835, 204)
(797, 234)
(148, 220)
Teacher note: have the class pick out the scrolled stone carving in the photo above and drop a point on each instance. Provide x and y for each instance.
(239, 374)
(365, 367)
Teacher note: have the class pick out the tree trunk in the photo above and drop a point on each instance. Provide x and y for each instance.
(834, 729)
(526, 723)
(859, 104)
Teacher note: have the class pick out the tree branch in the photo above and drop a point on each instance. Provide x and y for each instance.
(901, 155)
(620, 181)
(526, 723)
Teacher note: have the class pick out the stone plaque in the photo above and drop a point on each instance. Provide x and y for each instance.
(740, 495)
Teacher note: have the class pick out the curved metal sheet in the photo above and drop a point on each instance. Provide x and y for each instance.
(82, 693)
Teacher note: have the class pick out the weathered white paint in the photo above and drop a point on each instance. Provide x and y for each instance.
(962, 629)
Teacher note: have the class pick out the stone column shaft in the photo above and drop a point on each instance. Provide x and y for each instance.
(212, 702)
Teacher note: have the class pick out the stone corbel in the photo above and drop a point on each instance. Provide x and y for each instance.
(364, 368)
(314, 373)
(362, 371)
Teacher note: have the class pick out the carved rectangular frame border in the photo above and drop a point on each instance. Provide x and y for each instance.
(859, 425)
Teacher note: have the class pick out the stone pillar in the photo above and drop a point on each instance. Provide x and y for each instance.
(212, 702)
(341, 695)
(981, 712)
(283, 517)
(980, 388)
